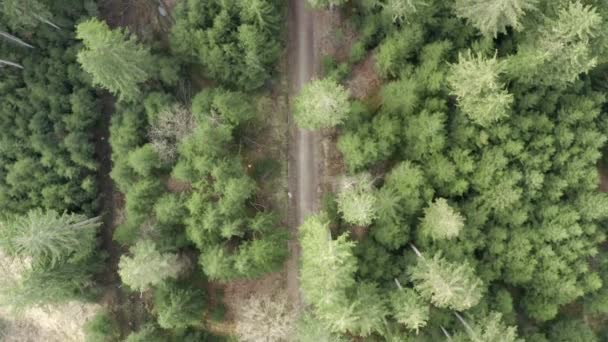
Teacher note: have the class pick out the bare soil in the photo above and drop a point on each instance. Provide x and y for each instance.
(365, 81)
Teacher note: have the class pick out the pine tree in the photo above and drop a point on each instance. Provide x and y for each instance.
(147, 267)
(440, 221)
(475, 82)
(445, 284)
(321, 104)
(115, 60)
(357, 200)
(494, 16)
(401, 10)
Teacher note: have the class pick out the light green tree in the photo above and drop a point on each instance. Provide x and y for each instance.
(445, 284)
(115, 60)
(440, 221)
(488, 328)
(401, 10)
(562, 50)
(328, 265)
(475, 82)
(494, 16)
(357, 200)
(408, 308)
(47, 237)
(321, 104)
(147, 267)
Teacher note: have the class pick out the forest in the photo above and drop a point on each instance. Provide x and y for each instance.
(149, 174)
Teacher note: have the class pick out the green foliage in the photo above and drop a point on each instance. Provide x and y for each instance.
(147, 267)
(115, 60)
(24, 14)
(49, 115)
(494, 16)
(488, 328)
(357, 201)
(326, 3)
(177, 306)
(56, 253)
(445, 284)
(441, 221)
(562, 50)
(321, 104)
(237, 42)
(396, 49)
(102, 328)
(144, 160)
(327, 270)
(516, 154)
(572, 330)
(408, 309)
(399, 11)
(475, 82)
(48, 238)
(147, 333)
(310, 329)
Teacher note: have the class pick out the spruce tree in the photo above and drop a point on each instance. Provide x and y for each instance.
(563, 49)
(115, 60)
(409, 309)
(446, 284)
(357, 200)
(492, 17)
(147, 267)
(475, 81)
(440, 221)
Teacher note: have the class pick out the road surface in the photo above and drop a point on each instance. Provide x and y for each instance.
(303, 164)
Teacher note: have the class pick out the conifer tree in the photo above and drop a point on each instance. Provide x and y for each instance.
(115, 60)
(328, 265)
(25, 14)
(321, 104)
(409, 309)
(475, 82)
(445, 284)
(489, 328)
(440, 221)
(401, 10)
(357, 200)
(48, 238)
(147, 267)
(563, 49)
(494, 16)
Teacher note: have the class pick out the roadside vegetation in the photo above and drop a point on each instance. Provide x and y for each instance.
(192, 210)
(472, 174)
(466, 208)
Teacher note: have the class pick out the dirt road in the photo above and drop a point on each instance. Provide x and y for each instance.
(303, 164)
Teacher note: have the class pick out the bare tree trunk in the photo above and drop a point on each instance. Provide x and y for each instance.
(15, 39)
(9, 63)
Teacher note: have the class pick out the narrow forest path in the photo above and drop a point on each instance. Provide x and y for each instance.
(303, 164)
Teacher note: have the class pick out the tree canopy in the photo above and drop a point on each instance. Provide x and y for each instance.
(113, 58)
